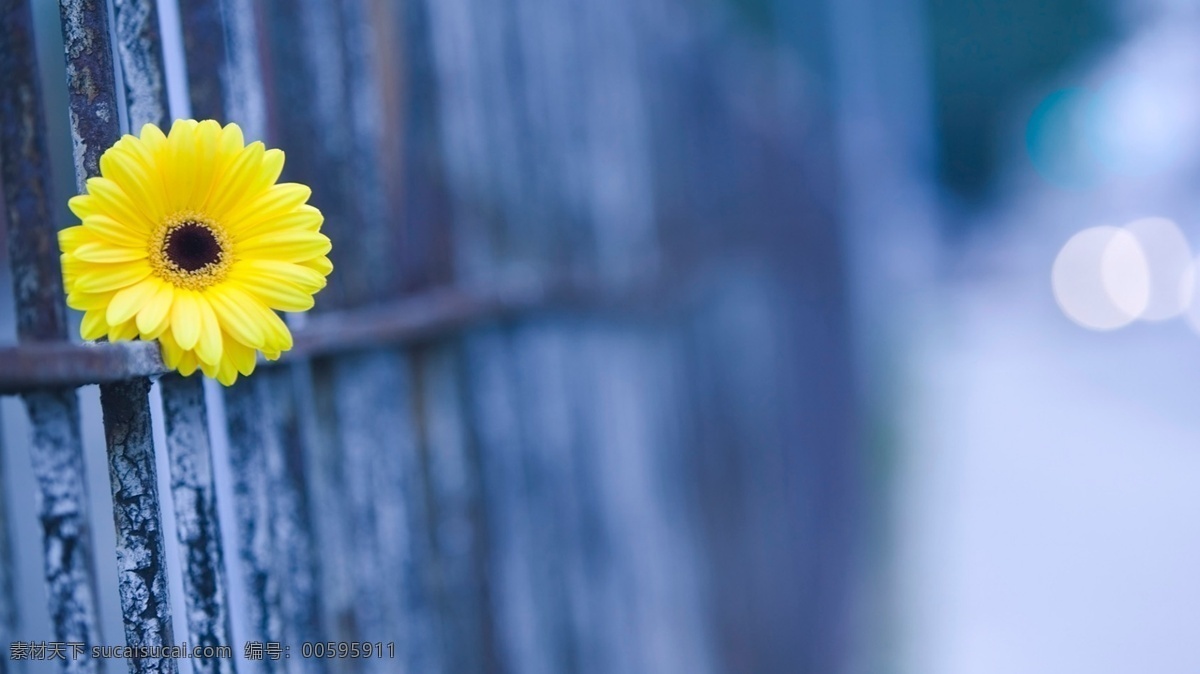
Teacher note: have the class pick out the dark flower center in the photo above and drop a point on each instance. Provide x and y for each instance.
(192, 246)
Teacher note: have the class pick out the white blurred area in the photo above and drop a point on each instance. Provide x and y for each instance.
(1047, 518)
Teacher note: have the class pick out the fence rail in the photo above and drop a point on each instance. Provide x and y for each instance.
(576, 399)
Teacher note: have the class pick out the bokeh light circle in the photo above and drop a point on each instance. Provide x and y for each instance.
(1101, 279)
(1169, 262)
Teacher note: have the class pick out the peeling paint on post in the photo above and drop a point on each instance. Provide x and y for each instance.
(56, 449)
(33, 244)
(141, 566)
(456, 513)
(8, 604)
(247, 437)
(291, 526)
(139, 46)
(62, 508)
(93, 101)
(196, 519)
(224, 80)
(91, 84)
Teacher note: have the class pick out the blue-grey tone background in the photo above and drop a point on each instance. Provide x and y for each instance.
(1025, 488)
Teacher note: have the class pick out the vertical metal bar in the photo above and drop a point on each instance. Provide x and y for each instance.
(291, 526)
(57, 454)
(224, 80)
(141, 565)
(325, 55)
(385, 506)
(326, 470)
(275, 534)
(142, 575)
(139, 47)
(8, 604)
(196, 520)
(37, 278)
(56, 449)
(456, 512)
(223, 84)
(252, 501)
(525, 558)
(91, 84)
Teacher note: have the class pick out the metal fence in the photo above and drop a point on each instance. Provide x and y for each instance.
(578, 397)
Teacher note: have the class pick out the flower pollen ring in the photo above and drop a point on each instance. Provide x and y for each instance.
(190, 251)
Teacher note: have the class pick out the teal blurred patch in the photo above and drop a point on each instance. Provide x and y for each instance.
(1058, 139)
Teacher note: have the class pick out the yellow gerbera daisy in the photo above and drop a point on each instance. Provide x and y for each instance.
(187, 239)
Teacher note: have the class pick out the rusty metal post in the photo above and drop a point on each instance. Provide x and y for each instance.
(56, 449)
(252, 502)
(95, 126)
(199, 530)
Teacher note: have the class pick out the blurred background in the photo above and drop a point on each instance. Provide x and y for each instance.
(904, 385)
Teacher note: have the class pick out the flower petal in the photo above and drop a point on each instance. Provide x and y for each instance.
(187, 363)
(235, 181)
(208, 347)
(71, 238)
(93, 326)
(321, 265)
(99, 278)
(274, 272)
(108, 253)
(230, 306)
(88, 301)
(287, 246)
(123, 332)
(208, 136)
(243, 357)
(136, 180)
(185, 319)
(109, 199)
(227, 372)
(181, 166)
(276, 336)
(82, 205)
(114, 232)
(152, 318)
(304, 217)
(209, 370)
(171, 353)
(277, 201)
(128, 301)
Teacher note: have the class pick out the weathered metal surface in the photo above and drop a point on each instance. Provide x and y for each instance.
(61, 364)
(62, 508)
(325, 470)
(223, 71)
(523, 514)
(307, 114)
(91, 84)
(192, 489)
(9, 612)
(142, 574)
(456, 512)
(386, 507)
(140, 49)
(56, 449)
(291, 527)
(33, 246)
(642, 602)
(252, 501)
(141, 566)
(420, 316)
(373, 275)
(204, 44)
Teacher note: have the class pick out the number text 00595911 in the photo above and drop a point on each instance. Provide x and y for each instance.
(351, 649)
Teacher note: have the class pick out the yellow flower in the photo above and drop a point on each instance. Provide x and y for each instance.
(187, 239)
